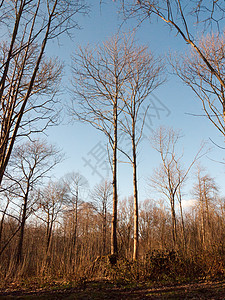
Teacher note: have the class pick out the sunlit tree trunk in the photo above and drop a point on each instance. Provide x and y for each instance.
(183, 227)
(182, 219)
(114, 249)
(104, 225)
(134, 163)
(174, 224)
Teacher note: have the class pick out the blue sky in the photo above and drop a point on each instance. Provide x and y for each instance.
(79, 141)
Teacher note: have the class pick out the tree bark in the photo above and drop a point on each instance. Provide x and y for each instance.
(174, 224)
(21, 238)
(104, 230)
(135, 253)
(114, 248)
(183, 227)
(74, 233)
(2, 220)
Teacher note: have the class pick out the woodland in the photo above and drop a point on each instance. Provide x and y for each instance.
(62, 239)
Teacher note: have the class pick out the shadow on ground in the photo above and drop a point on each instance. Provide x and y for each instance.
(106, 290)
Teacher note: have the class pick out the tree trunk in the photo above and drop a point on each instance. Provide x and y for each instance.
(202, 223)
(49, 236)
(74, 234)
(135, 253)
(47, 229)
(10, 142)
(174, 224)
(20, 243)
(5, 138)
(75, 226)
(114, 249)
(104, 231)
(183, 228)
(2, 221)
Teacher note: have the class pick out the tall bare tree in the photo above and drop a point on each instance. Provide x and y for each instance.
(51, 201)
(30, 163)
(147, 75)
(99, 78)
(179, 16)
(101, 196)
(195, 73)
(170, 176)
(75, 184)
(28, 80)
(204, 191)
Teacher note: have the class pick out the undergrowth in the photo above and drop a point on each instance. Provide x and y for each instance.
(156, 267)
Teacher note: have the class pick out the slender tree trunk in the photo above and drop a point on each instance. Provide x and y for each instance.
(74, 233)
(49, 236)
(162, 228)
(75, 228)
(2, 221)
(104, 231)
(21, 237)
(135, 253)
(183, 227)
(47, 229)
(114, 249)
(174, 224)
(208, 229)
(47, 241)
(207, 209)
(202, 223)
(4, 138)
(9, 240)
(4, 160)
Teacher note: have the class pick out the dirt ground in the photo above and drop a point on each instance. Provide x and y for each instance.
(106, 290)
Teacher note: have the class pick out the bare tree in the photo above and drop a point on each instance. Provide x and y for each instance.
(205, 191)
(194, 72)
(170, 176)
(99, 78)
(180, 15)
(179, 199)
(101, 197)
(29, 164)
(51, 201)
(75, 184)
(146, 76)
(26, 76)
(154, 220)
(125, 225)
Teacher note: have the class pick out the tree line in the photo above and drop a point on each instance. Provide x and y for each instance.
(111, 87)
(63, 231)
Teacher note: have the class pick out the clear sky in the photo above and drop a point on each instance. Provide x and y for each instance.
(84, 146)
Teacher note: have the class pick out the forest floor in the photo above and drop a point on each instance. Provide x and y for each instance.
(102, 289)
